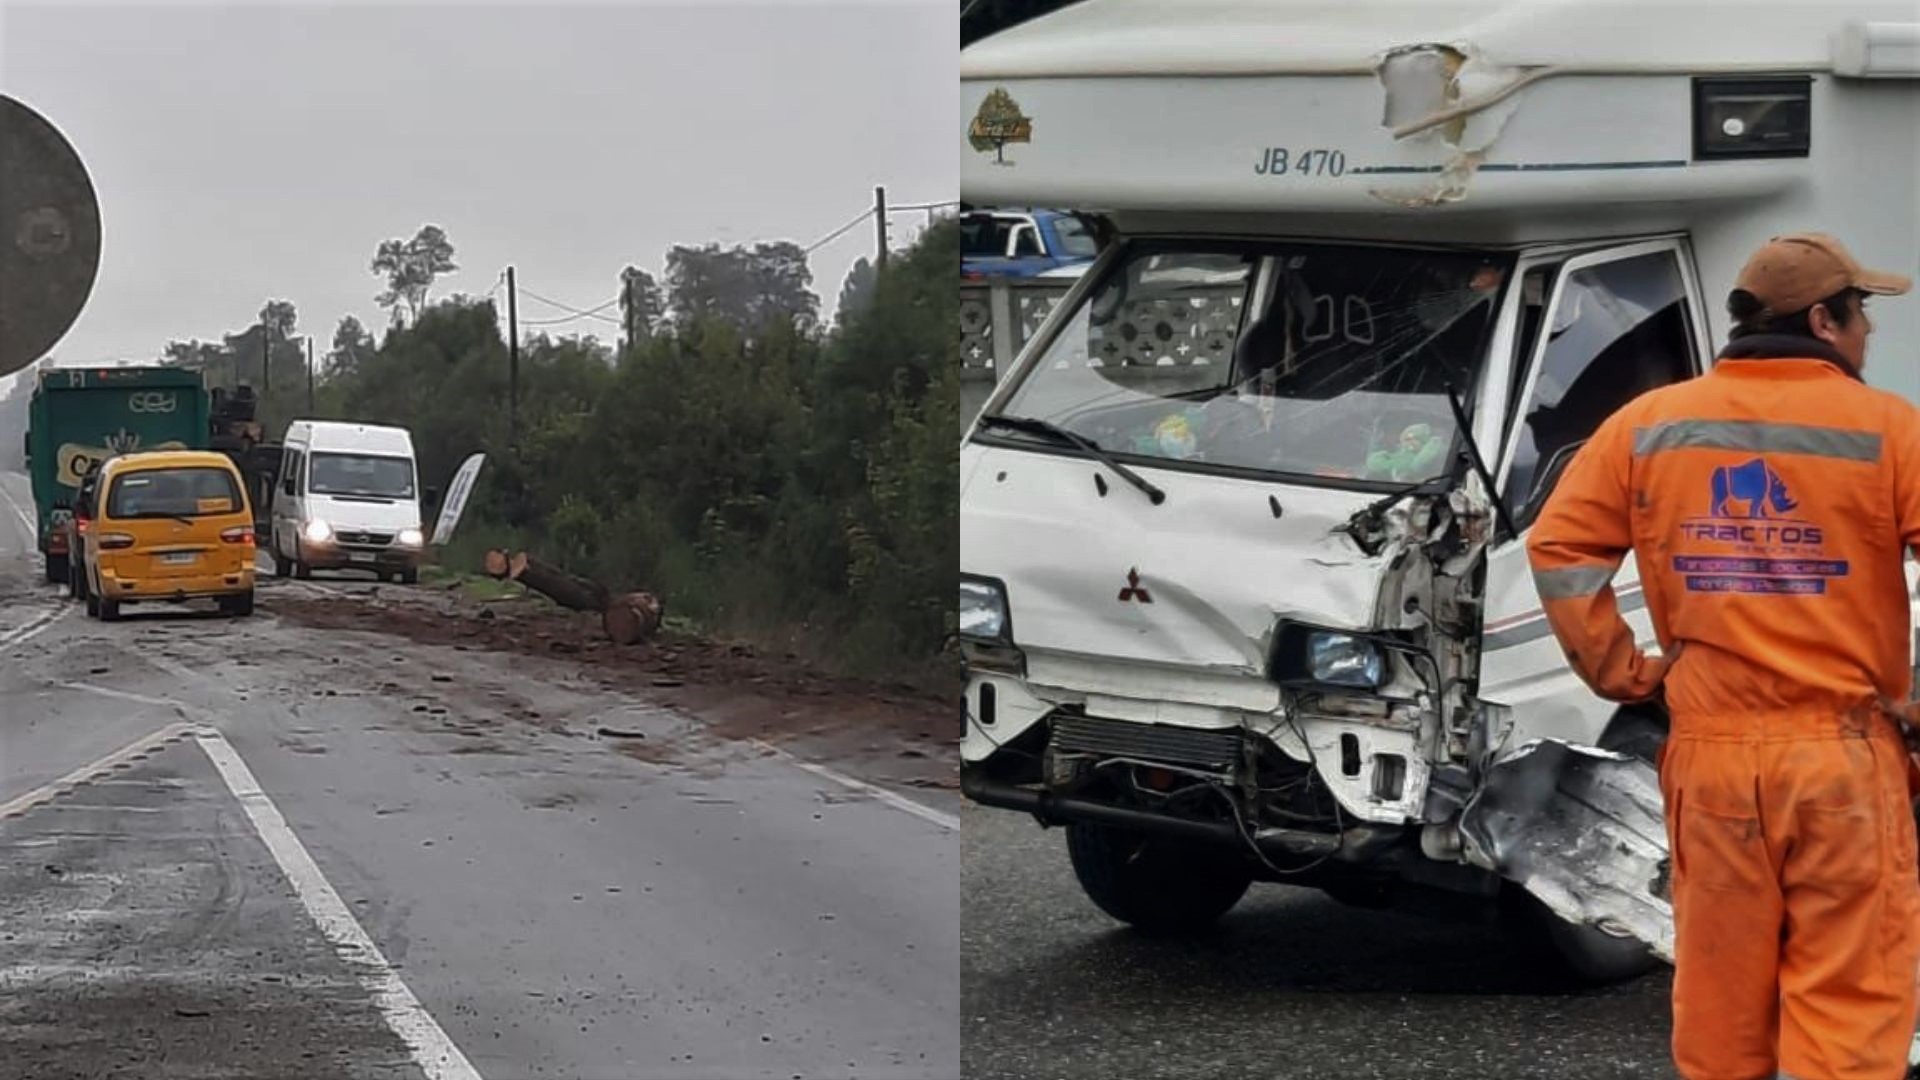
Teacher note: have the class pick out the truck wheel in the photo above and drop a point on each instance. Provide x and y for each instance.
(108, 609)
(93, 603)
(56, 569)
(239, 606)
(1157, 886)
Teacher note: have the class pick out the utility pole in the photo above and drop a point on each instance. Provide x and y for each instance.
(266, 355)
(310, 374)
(880, 225)
(626, 301)
(513, 362)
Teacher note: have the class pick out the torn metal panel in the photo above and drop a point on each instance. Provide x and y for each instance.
(1449, 95)
(1583, 830)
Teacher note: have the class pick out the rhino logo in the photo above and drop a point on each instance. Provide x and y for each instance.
(1760, 491)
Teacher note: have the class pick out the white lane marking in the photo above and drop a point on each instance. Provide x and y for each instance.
(22, 803)
(26, 519)
(897, 801)
(174, 668)
(33, 627)
(432, 1049)
(123, 695)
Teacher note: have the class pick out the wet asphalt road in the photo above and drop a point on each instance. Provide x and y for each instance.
(1290, 985)
(557, 907)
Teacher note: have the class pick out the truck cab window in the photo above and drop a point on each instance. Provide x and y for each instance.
(1621, 328)
(985, 236)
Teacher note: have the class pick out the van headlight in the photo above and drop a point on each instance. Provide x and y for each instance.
(983, 610)
(411, 538)
(1345, 660)
(318, 531)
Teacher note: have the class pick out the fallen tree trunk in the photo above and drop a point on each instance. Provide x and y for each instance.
(627, 618)
(567, 590)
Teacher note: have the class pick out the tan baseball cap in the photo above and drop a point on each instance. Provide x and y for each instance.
(1792, 273)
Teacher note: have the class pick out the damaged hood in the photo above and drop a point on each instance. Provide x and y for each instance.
(1198, 581)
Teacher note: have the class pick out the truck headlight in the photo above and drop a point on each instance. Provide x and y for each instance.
(411, 538)
(1345, 660)
(983, 610)
(318, 531)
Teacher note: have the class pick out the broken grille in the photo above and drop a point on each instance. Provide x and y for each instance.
(1211, 751)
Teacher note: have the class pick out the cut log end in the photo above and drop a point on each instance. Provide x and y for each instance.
(497, 564)
(517, 565)
(632, 618)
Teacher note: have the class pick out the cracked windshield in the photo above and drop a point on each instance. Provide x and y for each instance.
(477, 541)
(1325, 363)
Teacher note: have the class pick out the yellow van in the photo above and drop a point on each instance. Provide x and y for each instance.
(170, 525)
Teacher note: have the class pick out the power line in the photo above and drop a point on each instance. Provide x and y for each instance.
(569, 307)
(568, 319)
(838, 233)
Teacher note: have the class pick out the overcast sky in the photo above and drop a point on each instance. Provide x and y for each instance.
(257, 150)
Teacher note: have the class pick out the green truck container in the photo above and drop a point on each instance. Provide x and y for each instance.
(80, 416)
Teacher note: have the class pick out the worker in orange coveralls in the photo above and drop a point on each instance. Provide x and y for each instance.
(1768, 506)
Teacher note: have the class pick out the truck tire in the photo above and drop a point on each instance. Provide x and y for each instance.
(281, 567)
(1589, 956)
(56, 569)
(108, 609)
(1157, 886)
(93, 603)
(239, 606)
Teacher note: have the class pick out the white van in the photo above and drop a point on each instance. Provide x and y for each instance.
(1244, 593)
(348, 499)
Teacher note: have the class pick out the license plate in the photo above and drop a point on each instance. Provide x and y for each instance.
(179, 558)
(359, 556)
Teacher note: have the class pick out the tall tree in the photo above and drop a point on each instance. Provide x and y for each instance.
(410, 267)
(856, 293)
(280, 317)
(351, 343)
(642, 304)
(747, 288)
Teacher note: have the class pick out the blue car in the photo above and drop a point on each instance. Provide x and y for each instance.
(1024, 243)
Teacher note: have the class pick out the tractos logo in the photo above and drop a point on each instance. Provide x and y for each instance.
(152, 401)
(1769, 534)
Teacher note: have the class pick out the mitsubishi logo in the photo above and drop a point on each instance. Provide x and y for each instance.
(1134, 590)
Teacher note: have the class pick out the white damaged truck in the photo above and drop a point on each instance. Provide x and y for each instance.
(1244, 594)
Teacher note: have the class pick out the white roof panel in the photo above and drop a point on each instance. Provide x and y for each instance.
(1269, 37)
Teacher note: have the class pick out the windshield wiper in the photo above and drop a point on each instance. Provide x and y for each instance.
(1379, 507)
(1479, 462)
(1084, 445)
